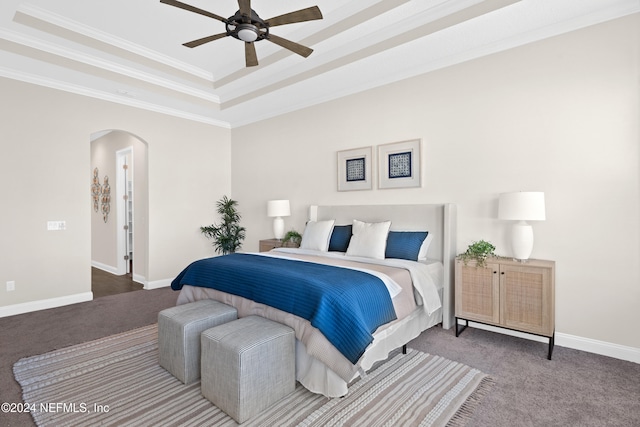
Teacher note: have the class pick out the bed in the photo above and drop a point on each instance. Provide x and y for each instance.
(335, 344)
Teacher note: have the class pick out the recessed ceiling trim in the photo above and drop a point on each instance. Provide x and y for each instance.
(113, 67)
(359, 51)
(56, 20)
(351, 18)
(627, 7)
(93, 93)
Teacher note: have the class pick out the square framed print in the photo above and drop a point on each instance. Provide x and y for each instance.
(354, 169)
(399, 164)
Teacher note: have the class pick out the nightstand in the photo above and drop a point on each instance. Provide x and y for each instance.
(509, 294)
(268, 244)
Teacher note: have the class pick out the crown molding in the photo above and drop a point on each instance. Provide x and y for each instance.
(248, 112)
(621, 9)
(103, 37)
(105, 96)
(103, 64)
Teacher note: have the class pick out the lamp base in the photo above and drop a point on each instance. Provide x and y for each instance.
(521, 240)
(278, 228)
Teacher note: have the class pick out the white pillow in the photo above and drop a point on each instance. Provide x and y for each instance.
(369, 239)
(316, 235)
(422, 255)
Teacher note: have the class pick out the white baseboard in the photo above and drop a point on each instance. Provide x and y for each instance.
(139, 279)
(157, 284)
(27, 307)
(108, 268)
(113, 270)
(603, 348)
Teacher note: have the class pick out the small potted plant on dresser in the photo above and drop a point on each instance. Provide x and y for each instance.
(479, 252)
(290, 240)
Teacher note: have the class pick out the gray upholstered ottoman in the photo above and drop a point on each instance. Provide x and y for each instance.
(247, 365)
(179, 330)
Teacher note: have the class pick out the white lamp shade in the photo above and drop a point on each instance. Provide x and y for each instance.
(522, 206)
(278, 208)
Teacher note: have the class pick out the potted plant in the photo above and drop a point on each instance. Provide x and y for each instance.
(478, 251)
(292, 239)
(228, 236)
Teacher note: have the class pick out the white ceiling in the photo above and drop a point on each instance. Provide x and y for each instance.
(130, 51)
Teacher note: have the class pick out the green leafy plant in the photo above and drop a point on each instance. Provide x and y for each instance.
(478, 251)
(292, 238)
(228, 236)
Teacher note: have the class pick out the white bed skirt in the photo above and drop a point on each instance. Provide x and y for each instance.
(318, 378)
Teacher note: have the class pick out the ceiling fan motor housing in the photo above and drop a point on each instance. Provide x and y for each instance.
(247, 28)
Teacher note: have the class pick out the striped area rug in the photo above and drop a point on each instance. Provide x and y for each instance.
(117, 381)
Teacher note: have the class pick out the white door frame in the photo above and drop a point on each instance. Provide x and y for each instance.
(121, 192)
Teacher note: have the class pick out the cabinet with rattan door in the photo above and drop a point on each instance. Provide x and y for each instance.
(509, 294)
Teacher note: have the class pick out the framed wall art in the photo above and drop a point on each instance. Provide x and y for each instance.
(399, 164)
(354, 169)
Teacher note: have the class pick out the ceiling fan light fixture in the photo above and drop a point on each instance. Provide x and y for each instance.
(247, 32)
(245, 25)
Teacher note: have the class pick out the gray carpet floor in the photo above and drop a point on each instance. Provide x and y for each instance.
(573, 389)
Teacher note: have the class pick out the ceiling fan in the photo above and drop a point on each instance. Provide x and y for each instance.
(248, 27)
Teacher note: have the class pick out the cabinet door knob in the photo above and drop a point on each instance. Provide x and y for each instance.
(495, 272)
(502, 272)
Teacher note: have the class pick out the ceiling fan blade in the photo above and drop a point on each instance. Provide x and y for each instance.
(204, 40)
(308, 14)
(250, 57)
(288, 44)
(245, 7)
(193, 9)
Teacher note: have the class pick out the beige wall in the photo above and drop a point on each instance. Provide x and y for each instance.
(44, 175)
(559, 116)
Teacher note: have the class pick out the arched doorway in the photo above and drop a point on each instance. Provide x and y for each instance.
(119, 231)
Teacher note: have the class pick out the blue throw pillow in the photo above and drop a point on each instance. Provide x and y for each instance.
(405, 244)
(340, 238)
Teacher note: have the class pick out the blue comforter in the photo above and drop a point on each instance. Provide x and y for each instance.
(347, 306)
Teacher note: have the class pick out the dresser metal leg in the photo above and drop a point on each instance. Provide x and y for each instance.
(551, 344)
(459, 331)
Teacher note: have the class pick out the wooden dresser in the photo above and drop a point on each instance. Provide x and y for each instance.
(268, 244)
(509, 294)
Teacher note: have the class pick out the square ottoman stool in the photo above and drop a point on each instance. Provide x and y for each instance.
(247, 365)
(179, 330)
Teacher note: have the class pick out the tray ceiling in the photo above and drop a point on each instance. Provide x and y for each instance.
(131, 52)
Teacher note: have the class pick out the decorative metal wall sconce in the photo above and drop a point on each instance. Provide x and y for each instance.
(101, 195)
(106, 199)
(96, 190)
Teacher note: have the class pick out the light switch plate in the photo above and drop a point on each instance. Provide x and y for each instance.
(56, 225)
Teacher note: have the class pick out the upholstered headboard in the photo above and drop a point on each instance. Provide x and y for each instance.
(437, 219)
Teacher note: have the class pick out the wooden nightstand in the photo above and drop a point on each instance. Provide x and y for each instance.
(268, 244)
(509, 294)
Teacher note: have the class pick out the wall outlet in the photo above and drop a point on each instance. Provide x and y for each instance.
(11, 286)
